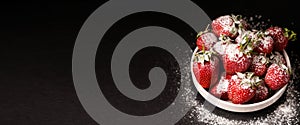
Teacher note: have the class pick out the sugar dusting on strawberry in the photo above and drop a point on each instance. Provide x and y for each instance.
(234, 60)
(259, 65)
(277, 76)
(264, 44)
(280, 41)
(242, 87)
(221, 88)
(224, 25)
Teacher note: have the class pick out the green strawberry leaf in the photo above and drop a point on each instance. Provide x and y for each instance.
(291, 35)
(203, 56)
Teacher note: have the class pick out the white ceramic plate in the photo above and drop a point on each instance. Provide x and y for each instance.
(227, 105)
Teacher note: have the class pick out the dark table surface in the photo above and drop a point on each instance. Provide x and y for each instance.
(37, 40)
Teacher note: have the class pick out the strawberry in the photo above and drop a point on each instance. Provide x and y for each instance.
(229, 25)
(280, 37)
(242, 87)
(206, 68)
(234, 60)
(220, 89)
(206, 40)
(264, 44)
(259, 65)
(277, 76)
(261, 93)
(280, 41)
(224, 25)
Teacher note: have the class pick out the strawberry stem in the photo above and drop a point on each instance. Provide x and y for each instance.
(202, 32)
(249, 78)
(246, 46)
(291, 35)
(206, 29)
(203, 56)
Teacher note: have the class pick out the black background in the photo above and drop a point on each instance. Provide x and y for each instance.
(36, 44)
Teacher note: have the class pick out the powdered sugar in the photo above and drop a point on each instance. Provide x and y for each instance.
(234, 77)
(246, 86)
(258, 22)
(266, 42)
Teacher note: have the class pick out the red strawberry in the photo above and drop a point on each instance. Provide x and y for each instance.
(280, 40)
(229, 25)
(259, 65)
(261, 94)
(241, 88)
(234, 60)
(264, 44)
(206, 68)
(224, 25)
(220, 89)
(277, 76)
(206, 40)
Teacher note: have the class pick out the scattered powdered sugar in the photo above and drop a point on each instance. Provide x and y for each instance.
(286, 112)
(257, 22)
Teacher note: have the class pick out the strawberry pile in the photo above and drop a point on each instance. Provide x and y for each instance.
(252, 60)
